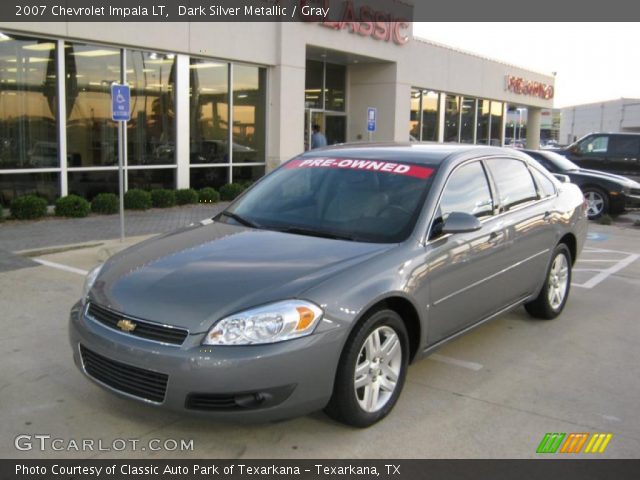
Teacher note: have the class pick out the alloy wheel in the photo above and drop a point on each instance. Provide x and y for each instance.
(595, 203)
(378, 369)
(558, 281)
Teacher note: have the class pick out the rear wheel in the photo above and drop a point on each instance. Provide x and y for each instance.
(597, 202)
(371, 371)
(555, 291)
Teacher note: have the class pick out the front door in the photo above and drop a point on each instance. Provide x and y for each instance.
(335, 128)
(463, 267)
(592, 153)
(332, 125)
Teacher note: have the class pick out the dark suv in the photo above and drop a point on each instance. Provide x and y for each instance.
(617, 153)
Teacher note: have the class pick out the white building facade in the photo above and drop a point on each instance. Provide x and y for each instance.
(214, 103)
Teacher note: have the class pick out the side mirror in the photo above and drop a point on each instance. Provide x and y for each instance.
(575, 150)
(459, 222)
(562, 178)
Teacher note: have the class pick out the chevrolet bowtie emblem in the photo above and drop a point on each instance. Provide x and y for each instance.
(126, 325)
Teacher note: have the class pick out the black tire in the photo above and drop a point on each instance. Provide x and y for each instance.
(542, 306)
(595, 194)
(344, 405)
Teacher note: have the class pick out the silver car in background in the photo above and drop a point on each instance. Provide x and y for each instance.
(321, 284)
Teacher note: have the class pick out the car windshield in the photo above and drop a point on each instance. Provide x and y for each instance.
(342, 198)
(562, 163)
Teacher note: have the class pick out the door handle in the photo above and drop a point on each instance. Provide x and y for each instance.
(546, 216)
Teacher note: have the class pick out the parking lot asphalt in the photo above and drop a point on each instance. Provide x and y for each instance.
(51, 231)
(492, 393)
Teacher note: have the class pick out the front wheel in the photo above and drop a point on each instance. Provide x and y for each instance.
(597, 202)
(371, 371)
(555, 291)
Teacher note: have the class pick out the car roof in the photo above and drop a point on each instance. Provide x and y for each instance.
(432, 154)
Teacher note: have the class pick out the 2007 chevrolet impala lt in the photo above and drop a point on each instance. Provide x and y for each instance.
(319, 285)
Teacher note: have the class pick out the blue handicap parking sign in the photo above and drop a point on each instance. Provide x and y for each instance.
(372, 114)
(120, 96)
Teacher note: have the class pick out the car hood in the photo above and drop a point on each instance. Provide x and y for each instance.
(586, 173)
(198, 275)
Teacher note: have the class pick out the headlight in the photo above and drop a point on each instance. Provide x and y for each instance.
(267, 324)
(90, 280)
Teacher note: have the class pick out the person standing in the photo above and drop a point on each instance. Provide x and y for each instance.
(318, 139)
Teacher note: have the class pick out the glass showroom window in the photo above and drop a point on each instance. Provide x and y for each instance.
(414, 116)
(44, 184)
(497, 116)
(27, 116)
(90, 183)
(467, 120)
(482, 135)
(430, 109)
(335, 87)
(424, 119)
(151, 178)
(92, 137)
(249, 85)
(151, 132)
(314, 79)
(451, 118)
(214, 177)
(209, 112)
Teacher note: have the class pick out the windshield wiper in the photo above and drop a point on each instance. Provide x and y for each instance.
(240, 220)
(316, 233)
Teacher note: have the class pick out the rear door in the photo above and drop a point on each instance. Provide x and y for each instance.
(529, 215)
(624, 155)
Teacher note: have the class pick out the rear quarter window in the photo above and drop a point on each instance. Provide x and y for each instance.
(546, 188)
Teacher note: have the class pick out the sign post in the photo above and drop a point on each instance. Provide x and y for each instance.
(120, 101)
(372, 117)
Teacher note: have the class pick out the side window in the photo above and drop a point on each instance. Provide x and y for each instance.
(513, 181)
(594, 144)
(624, 146)
(467, 191)
(546, 188)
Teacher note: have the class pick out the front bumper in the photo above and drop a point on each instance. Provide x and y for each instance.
(288, 379)
(631, 200)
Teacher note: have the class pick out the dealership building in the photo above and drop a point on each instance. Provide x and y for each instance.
(213, 103)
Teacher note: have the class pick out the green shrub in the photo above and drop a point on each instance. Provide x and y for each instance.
(72, 206)
(186, 196)
(28, 207)
(105, 203)
(162, 198)
(136, 199)
(230, 191)
(208, 195)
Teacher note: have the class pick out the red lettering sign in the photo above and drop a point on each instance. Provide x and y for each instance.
(364, 21)
(367, 165)
(528, 87)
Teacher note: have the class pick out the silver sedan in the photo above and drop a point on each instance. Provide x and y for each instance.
(319, 285)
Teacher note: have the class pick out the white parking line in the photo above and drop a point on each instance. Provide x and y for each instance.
(60, 266)
(454, 361)
(602, 273)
